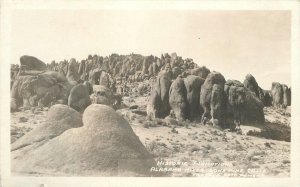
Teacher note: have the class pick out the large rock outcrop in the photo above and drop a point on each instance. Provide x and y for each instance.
(266, 97)
(253, 110)
(103, 95)
(89, 87)
(206, 95)
(281, 95)
(201, 72)
(277, 94)
(79, 97)
(72, 75)
(177, 99)
(94, 76)
(243, 106)
(217, 105)
(158, 105)
(251, 84)
(43, 89)
(235, 96)
(193, 85)
(105, 146)
(32, 63)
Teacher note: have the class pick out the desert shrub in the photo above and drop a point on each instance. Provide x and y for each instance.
(158, 149)
(252, 155)
(148, 124)
(194, 149)
(238, 147)
(216, 159)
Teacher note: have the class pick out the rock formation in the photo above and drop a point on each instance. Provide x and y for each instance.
(32, 63)
(79, 97)
(104, 146)
(177, 99)
(277, 94)
(158, 106)
(206, 94)
(193, 85)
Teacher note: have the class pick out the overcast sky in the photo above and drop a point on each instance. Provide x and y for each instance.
(234, 43)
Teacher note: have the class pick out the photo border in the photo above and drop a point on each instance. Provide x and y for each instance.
(6, 10)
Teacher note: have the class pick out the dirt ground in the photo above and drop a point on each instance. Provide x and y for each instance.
(190, 149)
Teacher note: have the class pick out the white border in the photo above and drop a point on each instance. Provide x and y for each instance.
(8, 6)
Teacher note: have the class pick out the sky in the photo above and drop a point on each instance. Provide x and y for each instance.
(234, 43)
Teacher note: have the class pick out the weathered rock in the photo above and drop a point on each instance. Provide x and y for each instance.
(206, 92)
(277, 94)
(43, 89)
(55, 75)
(63, 67)
(253, 113)
(235, 96)
(105, 146)
(146, 63)
(22, 90)
(13, 105)
(32, 63)
(289, 96)
(89, 86)
(267, 97)
(193, 85)
(201, 72)
(217, 104)
(94, 76)
(105, 79)
(251, 84)
(65, 89)
(158, 105)
(175, 72)
(155, 68)
(48, 87)
(81, 68)
(177, 99)
(243, 107)
(79, 98)
(286, 96)
(234, 83)
(150, 70)
(72, 75)
(103, 95)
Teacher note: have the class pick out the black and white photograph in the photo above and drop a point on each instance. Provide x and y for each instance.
(149, 92)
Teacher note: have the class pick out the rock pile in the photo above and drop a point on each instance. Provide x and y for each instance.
(181, 89)
(113, 72)
(225, 103)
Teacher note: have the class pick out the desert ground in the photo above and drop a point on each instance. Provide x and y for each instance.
(189, 148)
